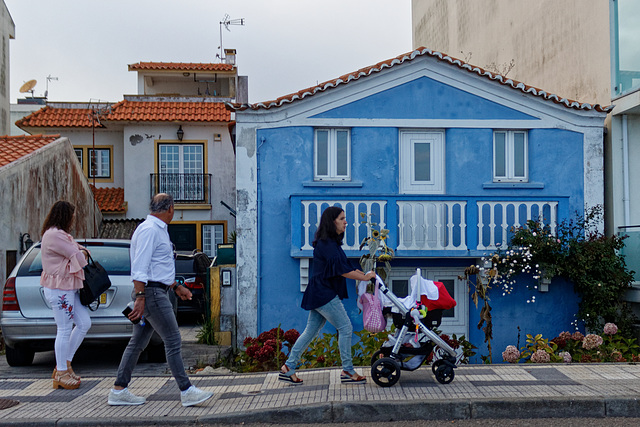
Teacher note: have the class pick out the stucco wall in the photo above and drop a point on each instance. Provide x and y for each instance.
(561, 47)
(140, 159)
(7, 32)
(30, 185)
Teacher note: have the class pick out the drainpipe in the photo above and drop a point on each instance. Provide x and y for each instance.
(259, 234)
(625, 171)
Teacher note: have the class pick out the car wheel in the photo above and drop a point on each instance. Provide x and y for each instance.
(19, 356)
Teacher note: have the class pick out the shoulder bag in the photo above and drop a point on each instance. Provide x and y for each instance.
(96, 282)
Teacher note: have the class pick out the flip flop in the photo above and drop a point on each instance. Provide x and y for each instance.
(287, 376)
(346, 377)
(289, 379)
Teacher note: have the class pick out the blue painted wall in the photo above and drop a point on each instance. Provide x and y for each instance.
(285, 162)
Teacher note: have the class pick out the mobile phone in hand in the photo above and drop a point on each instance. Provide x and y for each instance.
(128, 309)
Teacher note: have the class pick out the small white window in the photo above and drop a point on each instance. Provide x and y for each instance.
(100, 163)
(212, 234)
(510, 156)
(422, 162)
(79, 153)
(332, 155)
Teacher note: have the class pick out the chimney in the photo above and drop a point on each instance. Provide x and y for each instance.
(230, 56)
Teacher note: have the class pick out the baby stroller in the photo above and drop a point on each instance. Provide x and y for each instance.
(414, 339)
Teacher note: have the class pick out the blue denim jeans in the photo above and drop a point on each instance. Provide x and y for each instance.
(158, 316)
(334, 313)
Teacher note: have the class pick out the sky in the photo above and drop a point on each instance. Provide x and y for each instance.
(284, 45)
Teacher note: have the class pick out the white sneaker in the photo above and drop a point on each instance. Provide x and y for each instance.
(125, 397)
(193, 395)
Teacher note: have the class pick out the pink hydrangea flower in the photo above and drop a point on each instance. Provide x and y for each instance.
(511, 354)
(610, 329)
(592, 341)
(577, 336)
(566, 356)
(565, 335)
(540, 356)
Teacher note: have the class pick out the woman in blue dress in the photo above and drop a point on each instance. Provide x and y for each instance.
(327, 287)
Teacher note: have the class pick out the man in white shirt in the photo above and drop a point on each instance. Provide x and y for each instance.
(153, 274)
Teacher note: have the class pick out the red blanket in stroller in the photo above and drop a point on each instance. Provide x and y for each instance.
(444, 300)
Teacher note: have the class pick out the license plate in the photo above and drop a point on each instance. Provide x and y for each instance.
(103, 298)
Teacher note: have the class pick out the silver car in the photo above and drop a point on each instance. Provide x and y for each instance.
(26, 317)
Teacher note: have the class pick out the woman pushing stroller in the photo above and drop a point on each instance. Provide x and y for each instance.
(322, 298)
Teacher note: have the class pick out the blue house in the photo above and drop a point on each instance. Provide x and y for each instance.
(447, 156)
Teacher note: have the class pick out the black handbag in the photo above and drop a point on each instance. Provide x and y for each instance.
(96, 282)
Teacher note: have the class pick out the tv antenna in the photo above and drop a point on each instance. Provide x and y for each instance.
(226, 22)
(28, 86)
(49, 78)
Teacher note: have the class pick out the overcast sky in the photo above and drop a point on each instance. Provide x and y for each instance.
(284, 46)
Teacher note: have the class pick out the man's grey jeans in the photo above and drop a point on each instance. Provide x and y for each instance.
(158, 316)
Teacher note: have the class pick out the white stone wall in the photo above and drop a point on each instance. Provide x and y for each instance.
(7, 32)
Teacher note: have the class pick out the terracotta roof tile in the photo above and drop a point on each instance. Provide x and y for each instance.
(110, 199)
(118, 228)
(409, 56)
(180, 66)
(169, 111)
(14, 147)
(58, 117)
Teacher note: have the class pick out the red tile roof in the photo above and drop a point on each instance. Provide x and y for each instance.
(409, 56)
(14, 147)
(110, 199)
(58, 117)
(180, 66)
(169, 111)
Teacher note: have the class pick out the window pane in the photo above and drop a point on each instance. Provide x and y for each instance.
(322, 153)
(422, 161)
(518, 154)
(169, 159)
(211, 236)
(499, 154)
(192, 159)
(99, 165)
(400, 288)
(79, 154)
(342, 153)
(450, 286)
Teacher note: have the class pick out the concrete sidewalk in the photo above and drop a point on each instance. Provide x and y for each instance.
(478, 391)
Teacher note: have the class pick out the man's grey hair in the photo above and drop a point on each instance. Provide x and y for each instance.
(161, 203)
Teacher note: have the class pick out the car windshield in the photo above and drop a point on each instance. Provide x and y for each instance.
(184, 265)
(114, 259)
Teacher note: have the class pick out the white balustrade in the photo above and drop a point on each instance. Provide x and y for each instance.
(432, 225)
(312, 210)
(497, 219)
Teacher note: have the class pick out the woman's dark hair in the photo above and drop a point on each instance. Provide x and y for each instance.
(60, 216)
(327, 227)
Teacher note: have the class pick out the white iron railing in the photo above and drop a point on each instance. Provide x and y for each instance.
(432, 225)
(497, 219)
(356, 231)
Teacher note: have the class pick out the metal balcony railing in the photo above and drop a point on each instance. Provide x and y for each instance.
(186, 188)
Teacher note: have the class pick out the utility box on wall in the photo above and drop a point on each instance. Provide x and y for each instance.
(226, 254)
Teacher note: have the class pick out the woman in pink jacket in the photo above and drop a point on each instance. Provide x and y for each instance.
(62, 276)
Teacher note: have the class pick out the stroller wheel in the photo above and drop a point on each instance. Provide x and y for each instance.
(385, 372)
(435, 365)
(445, 374)
(379, 354)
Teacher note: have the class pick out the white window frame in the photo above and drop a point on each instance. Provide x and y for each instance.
(211, 247)
(100, 154)
(408, 141)
(510, 157)
(332, 156)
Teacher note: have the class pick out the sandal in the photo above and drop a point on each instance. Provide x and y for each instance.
(65, 381)
(289, 377)
(73, 374)
(346, 377)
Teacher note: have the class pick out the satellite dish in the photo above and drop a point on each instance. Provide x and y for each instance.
(28, 86)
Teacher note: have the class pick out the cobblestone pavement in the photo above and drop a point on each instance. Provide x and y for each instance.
(477, 391)
(497, 391)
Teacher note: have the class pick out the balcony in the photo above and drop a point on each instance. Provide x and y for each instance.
(421, 226)
(186, 188)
